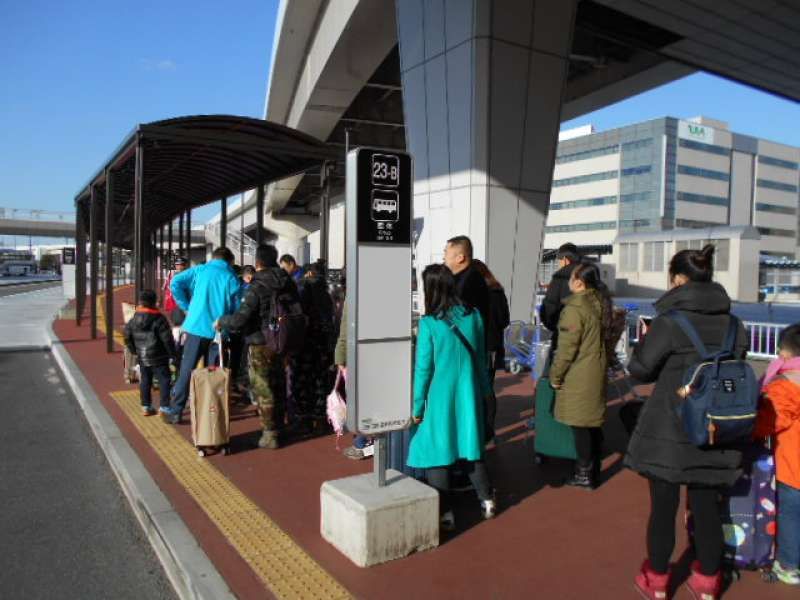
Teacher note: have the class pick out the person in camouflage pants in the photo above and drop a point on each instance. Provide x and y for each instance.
(267, 369)
(268, 386)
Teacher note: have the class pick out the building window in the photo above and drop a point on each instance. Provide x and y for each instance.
(776, 232)
(777, 185)
(638, 197)
(722, 250)
(629, 258)
(636, 145)
(636, 170)
(707, 173)
(774, 208)
(688, 245)
(583, 203)
(777, 162)
(654, 257)
(692, 224)
(692, 145)
(703, 199)
(722, 254)
(585, 178)
(586, 154)
(581, 227)
(633, 224)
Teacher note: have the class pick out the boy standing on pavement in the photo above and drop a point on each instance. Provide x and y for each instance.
(148, 336)
(267, 373)
(206, 293)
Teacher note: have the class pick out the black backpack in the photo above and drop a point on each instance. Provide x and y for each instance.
(285, 329)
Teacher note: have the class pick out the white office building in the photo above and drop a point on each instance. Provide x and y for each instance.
(668, 174)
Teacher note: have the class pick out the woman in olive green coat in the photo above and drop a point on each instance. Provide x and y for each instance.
(579, 369)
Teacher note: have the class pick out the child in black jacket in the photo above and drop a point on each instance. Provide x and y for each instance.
(149, 336)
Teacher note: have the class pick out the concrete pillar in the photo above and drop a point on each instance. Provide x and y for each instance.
(483, 83)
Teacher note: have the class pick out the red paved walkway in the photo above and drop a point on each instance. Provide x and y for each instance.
(547, 542)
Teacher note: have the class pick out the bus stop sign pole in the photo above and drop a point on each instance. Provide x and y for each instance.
(379, 344)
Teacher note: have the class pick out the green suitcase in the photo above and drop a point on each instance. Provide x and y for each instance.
(551, 438)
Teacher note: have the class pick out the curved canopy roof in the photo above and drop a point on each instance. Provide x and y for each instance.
(191, 161)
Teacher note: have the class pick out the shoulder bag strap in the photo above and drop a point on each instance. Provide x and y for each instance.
(688, 329)
(729, 346)
(463, 340)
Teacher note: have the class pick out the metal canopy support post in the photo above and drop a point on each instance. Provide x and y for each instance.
(223, 223)
(325, 212)
(109, 261)
(241, 231)
(171, 254)
(138, 213)
(189, 235)
(160, 255)
(93, 260)
(260, 215)
(80, 262)
(180, 235)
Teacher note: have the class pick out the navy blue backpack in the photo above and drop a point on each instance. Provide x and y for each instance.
(720, 393)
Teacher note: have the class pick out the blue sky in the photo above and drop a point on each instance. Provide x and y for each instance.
(76, 76)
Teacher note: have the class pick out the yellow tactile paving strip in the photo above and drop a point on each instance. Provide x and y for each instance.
(285, 568)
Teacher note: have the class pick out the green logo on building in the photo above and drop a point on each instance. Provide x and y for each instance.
(697, 131)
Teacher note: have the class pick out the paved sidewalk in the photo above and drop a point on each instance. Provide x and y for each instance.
(547, 542)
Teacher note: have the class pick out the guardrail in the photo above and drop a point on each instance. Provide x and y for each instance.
(32, 214)
(763, 336)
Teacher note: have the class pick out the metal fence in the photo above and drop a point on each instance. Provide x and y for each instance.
(763, 336)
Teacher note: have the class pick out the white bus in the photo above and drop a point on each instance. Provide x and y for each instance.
(16, 263)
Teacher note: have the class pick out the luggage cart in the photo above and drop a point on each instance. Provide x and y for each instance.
(527, 347)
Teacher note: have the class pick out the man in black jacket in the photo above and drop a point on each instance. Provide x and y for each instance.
(267, 372)
(557, 292)
(470, 284)
(148, 337)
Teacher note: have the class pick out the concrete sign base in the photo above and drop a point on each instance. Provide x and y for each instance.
(372, 525)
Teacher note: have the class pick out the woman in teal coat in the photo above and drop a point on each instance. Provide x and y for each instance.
(450, 387)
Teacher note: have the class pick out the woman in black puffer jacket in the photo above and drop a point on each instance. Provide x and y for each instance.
(659, 449)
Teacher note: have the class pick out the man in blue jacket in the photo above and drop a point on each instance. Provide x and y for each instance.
(206, 293)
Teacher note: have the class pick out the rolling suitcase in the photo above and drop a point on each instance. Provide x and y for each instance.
(130, 366)
(209, 405)
(551, 438)
(748, 513)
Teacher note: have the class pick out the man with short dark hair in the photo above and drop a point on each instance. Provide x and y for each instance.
(289, 264)
(206, 293)
(557, 291)
(470, 285)
(266, 371)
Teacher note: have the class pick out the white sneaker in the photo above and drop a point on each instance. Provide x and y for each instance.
(489, 509)
(448, 521)
(787, 576)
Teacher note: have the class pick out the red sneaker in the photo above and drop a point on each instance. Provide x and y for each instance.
(652, 585)
(704, 587)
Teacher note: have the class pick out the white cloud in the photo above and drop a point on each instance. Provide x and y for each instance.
(163, 64)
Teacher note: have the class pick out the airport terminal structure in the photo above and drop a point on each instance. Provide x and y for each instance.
(476, 92)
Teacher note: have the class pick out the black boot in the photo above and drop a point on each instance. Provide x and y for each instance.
(582, 477)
